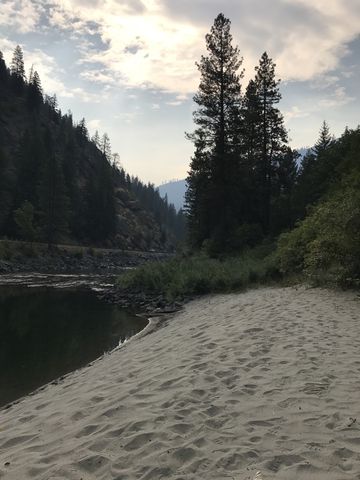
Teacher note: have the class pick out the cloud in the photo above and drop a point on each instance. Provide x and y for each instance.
(22, 15)
(337, 98)
(155, 43)
(94, 124)
(295, 112)
(128, 117)
(84, 96)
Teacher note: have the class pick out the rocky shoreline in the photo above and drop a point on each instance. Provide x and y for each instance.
(59, 261)
(147, 304)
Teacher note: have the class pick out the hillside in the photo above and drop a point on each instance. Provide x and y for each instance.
(58, 185)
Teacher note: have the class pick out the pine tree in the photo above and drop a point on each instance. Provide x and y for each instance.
(218, 118)
(324, 141)
(197, 194)
(283, 213)
(317, 171)
(17, 63)
(96, 139)
(105, 147)
(82, 131)
(34, 91)
(270, 134)
(17, 70)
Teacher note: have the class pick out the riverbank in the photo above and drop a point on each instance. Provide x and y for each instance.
(264, 381)
(19, 257)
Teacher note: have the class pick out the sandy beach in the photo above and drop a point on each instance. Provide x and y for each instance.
(263, 384)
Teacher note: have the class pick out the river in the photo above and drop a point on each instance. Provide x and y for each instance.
(53, 324)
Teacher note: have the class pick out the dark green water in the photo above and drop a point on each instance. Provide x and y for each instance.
(45, 333)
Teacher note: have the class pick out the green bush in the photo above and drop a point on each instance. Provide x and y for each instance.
(325, 246)
(199, 274)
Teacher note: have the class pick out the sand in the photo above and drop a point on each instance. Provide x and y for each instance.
(264, 384)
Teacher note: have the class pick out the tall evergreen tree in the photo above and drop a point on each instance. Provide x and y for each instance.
(217, 117)
(105, 147)
(17, 70)
(197, 194)
(82, 131)
(317, 171)
(96, 139)
(270, 134)
(324, 141)
(34, 91)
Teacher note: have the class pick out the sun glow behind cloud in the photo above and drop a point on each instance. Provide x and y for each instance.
(131, 63)
(155, 42)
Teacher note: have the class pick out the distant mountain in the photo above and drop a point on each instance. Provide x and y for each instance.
(175, 192)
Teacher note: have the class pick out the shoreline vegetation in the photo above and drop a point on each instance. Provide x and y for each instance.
(192, 275)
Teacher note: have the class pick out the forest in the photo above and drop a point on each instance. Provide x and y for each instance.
(255, 210)
(246, 184)
(59, 185)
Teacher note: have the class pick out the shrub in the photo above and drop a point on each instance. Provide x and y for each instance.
(325, 246)
(199, 274)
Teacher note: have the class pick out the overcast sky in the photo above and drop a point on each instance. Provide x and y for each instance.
(128, 66)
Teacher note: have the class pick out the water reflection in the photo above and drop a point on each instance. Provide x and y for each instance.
(45, 333)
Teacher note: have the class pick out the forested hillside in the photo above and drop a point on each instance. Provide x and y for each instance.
(58, 185)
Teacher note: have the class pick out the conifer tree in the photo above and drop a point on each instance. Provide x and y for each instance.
(82, 131)
(317, 171)
(105, 147)
(34, 91)
(197, 193)
(17, 63)
(324, 141)
(270, 134)
(17, 70)
(216, 139)
(96, 139)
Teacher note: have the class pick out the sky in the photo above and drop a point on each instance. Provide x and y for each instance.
(128, 66)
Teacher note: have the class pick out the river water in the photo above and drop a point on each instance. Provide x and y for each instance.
(54, 325)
